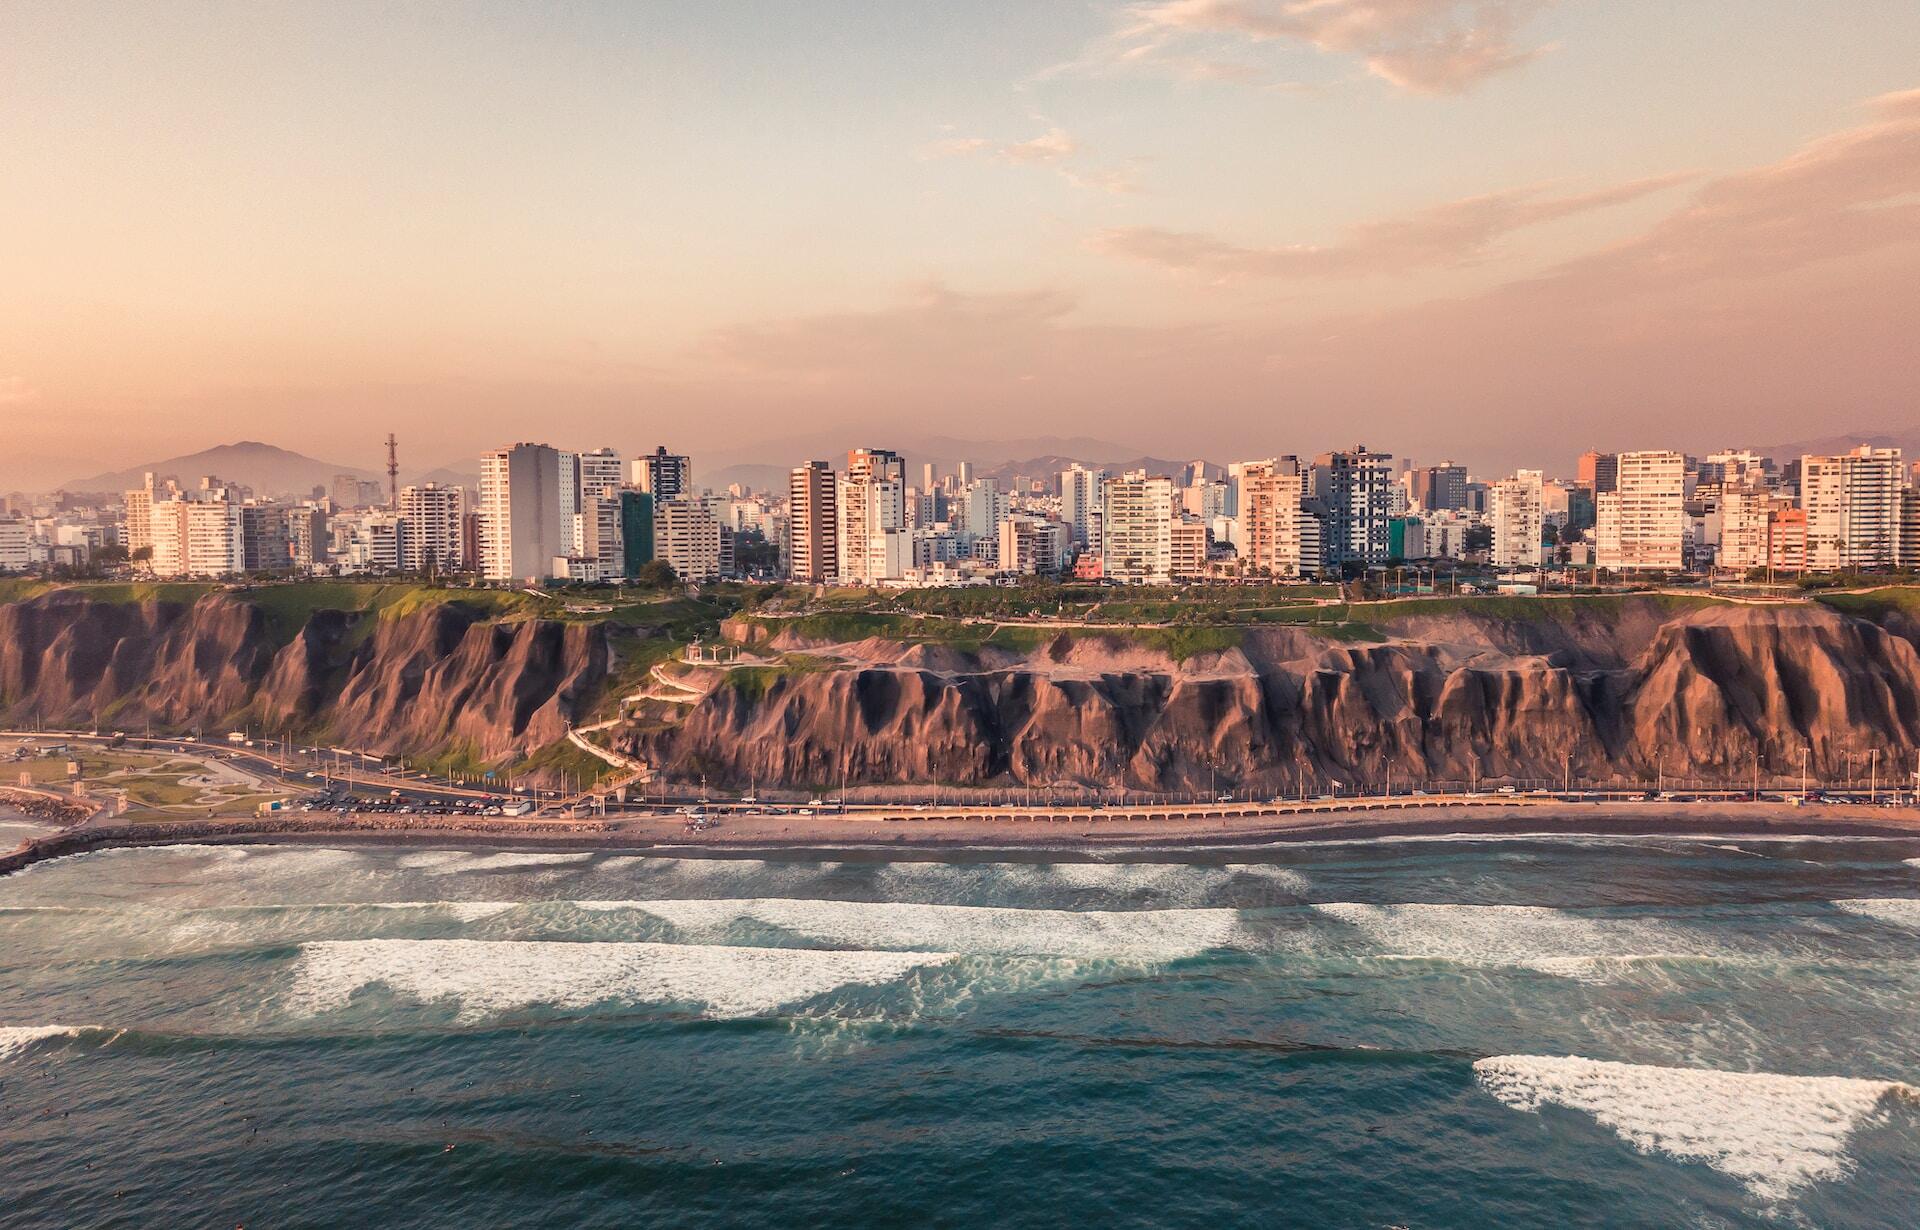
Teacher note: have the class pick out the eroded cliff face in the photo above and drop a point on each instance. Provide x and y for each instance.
(407, 684)
(1710, 694)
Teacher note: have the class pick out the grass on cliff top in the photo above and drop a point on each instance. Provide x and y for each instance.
(1518, 608)
(19, 589)
(1876, 604)
(289, 607)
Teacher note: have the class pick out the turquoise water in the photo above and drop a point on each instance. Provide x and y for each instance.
(1418, 1033)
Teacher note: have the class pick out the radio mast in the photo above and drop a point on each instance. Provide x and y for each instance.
(393, 472)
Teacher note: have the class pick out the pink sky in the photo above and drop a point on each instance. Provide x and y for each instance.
(1502, 230)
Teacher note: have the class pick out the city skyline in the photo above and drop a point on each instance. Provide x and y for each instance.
(1498, 231)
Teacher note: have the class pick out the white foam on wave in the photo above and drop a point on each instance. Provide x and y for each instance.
(488, 977)
(1158, 935)
(450, 862)
(1172, 879)
(1526, 936)
(1910, 862)
(1895, 911)
(15, 1039)
(1773, 1133)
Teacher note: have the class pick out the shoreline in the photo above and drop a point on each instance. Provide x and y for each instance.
(957, 839)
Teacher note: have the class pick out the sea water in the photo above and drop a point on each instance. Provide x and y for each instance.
(1455, 1032)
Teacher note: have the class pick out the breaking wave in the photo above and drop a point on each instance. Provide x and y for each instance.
(488, 977)
(16, 1039)
(1159, 935)
(1774, 1133)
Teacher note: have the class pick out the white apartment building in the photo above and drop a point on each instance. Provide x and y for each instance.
(1516, 506)
(434, 534)
(1355, 488)
(1187, 542)
(1031, 545)
(525, 512)
(812, 501)
(1853, 504)
(867, 510)
(1139, 529)
(16, 544)
(1083, 496)
(1642, 524)
(663, 475)
(982, 506)
(1746, 514)
(1270, 515)
(687, 537)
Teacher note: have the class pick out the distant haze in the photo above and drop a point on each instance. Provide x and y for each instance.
(1502, 231)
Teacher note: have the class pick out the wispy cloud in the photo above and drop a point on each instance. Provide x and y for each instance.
(1453, 234)
(1433, 47)
(1055, 148)
(15, 391)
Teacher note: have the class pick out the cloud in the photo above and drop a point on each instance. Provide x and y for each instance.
(1053, 145)
(1766, 299)
(1054, 148)
(1432, 47)
(15, 391)
(1449, 235)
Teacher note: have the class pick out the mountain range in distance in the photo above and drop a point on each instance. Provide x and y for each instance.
(274, 471)
(267, 468)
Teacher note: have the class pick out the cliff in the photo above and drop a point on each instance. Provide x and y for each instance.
(1623, 690)
(437, 677)
(1444, 692)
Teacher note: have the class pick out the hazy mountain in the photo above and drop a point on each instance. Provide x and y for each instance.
(1002, 459)
(1907, 441)
(267, 469)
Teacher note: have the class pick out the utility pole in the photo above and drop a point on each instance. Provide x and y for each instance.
(393, 472)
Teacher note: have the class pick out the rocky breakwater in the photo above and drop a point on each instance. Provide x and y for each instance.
(1611, 690)
(438, 676)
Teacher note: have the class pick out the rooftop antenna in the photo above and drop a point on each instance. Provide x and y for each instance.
(393, 471)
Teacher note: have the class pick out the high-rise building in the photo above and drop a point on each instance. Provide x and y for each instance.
(1599, 472)
(869, 513)
(1910, 527)
(636, 531)
(16, 544)
(266, 543)
(1030, 544)
(687, 537)
(1354, 490)
(1853, 508)
(307, 536)
(601, 471)
(1187, 548)
(434, 527)
(1139, 529)
(139, 527)
(981, 507)
(1436, 488)
(663, 475)
(525, 514)
(876, 465)
(1270, 493)
(1082, 497)
(811, 505)
(1517, 512)
(1746, 516)
(1641, 524)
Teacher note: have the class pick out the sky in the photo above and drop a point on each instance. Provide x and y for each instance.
(1502, 231)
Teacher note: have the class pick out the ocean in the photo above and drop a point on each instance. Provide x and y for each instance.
(1438, 1032)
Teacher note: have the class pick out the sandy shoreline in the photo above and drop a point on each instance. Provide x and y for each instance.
(957, 839)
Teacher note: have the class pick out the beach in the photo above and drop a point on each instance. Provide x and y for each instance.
(950, 832)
